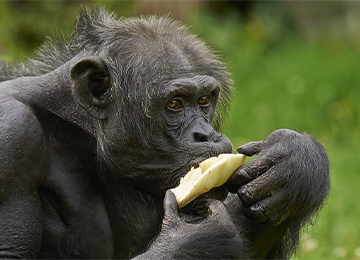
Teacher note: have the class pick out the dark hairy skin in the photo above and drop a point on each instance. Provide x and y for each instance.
(96, 130)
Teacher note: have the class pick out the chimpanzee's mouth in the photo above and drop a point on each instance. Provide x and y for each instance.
(196, 162)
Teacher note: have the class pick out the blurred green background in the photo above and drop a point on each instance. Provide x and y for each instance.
(294, 64)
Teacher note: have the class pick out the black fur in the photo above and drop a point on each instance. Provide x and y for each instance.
(89, 148)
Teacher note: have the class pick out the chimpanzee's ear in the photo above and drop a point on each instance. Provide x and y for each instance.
(90, 84)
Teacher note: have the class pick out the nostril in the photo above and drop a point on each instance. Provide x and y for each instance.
(200, 137)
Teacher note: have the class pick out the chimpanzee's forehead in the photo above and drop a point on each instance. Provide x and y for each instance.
(165, 56)
(162, 43)
(167, 60)
(153, 51)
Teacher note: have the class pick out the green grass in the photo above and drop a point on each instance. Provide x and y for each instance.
(336, 233)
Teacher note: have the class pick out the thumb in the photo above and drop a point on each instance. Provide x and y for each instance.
(251, 148)
(171, 217)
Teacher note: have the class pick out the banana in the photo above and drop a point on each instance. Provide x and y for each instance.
(211, 173)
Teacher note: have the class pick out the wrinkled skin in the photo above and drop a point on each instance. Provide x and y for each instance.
(269, 185)
(96, 131)
(281, 188)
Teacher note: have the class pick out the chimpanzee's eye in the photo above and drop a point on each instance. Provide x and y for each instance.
(204, 101)
(175, 104)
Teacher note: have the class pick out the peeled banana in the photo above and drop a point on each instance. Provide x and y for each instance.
(211, 173)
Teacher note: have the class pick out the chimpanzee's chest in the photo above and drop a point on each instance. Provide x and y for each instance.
(87, 218)
(135, 219)
(75, 230)
(78, 225)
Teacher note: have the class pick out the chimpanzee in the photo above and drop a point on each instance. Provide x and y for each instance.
(97, 129)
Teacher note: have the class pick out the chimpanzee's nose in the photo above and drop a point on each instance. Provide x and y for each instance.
(203, 132)
(199, 132)
(201, 137)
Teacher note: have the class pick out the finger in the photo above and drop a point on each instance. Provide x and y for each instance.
(170, 210)
(261, 187)
(277, 218)
(251, 148)
(272, 210)
(170, 204)
(249, 171)
(237, 179)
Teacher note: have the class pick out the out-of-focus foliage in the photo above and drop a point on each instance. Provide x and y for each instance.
(294, 66)
(286, 80)
(25, 23)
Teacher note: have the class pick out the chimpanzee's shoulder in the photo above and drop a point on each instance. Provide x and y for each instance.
(18, 122)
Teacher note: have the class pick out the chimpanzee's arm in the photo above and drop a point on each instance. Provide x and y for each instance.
(20, 159)
(279, 190)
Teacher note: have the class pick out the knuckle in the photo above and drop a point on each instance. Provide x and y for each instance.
(238, 179)
(244, 175)
(246, 195)
(261, 164)
(170, 222)
(234, 182)
(284, 132)
(279, 134)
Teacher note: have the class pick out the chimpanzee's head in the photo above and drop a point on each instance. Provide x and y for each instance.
(157, 92)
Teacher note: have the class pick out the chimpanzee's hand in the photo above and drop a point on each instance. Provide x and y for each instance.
(215, 237)
(289, 177)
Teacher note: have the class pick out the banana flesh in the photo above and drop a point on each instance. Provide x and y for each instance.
(211, 173)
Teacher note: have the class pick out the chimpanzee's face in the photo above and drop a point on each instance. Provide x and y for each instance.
(172, 108)
(186, 117)
(156, 96)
